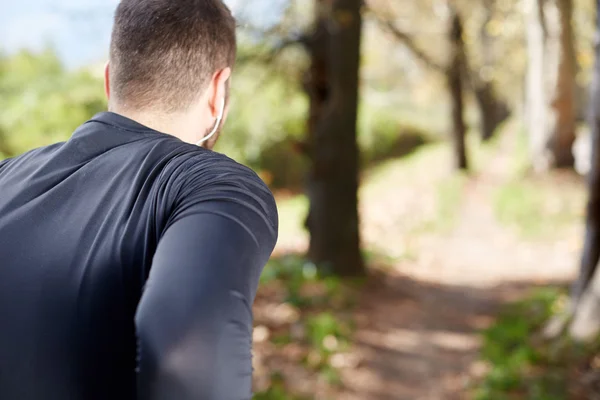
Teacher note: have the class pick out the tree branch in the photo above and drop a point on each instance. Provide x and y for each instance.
(275, 50)
(408, 42)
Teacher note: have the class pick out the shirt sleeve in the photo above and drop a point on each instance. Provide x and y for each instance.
(194, 320)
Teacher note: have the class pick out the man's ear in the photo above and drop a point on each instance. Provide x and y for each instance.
(107, 80)
(219, 91)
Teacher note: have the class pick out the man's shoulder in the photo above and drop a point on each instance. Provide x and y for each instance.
(25, 158)
(193, 162)
(203, 174)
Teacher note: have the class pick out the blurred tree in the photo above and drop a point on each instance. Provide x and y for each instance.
(586, 290)
(332, 84)
(454, 76)
(492, 109)
(551, 83)
(582, 315)
(455, 70)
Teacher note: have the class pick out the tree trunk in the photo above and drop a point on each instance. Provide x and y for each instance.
(586, 290)
(551, 83)
(536, 90)
(333, 179)
(454, 78)
(563, 103)
(492, 110)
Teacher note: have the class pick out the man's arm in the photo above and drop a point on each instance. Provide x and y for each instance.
(194, 321)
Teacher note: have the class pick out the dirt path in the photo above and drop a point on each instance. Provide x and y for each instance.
(418, 319)
(417, 324)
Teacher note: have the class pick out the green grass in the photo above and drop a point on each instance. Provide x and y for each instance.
(536, 209)
(277, 391)
(509, 351)
(521, 205)
(413, 170)
(378, 258)
(406, 170)
(325, 311)
(522, 366)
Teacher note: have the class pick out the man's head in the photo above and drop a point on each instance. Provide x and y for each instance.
(170, 63)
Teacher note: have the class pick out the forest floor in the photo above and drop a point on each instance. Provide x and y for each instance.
(446, 251)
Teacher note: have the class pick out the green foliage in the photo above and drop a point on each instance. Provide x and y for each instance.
(299, 274)
(325, 326)
(383, 135)
(282, 165)
(379, 259)
(276, 391)
(520, 204)
(530, 203)
(323, 303)
(268, 121)
(268, 112)
(42, 102)
(295, 272)
(520, 365)
(288, 268)
(327, 334)
(516, 324)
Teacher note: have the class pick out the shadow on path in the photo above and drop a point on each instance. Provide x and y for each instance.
(420, 340)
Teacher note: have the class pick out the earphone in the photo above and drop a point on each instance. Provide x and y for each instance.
(217, 124)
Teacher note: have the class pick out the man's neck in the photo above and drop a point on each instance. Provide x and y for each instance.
(174, 124)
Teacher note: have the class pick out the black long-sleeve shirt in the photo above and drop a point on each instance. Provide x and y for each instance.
(129, 262)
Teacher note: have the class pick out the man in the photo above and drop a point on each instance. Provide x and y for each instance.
(129, 255)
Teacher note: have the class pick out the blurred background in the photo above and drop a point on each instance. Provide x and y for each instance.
(429, 161)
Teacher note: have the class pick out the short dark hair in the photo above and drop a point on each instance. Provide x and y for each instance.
(163, 52)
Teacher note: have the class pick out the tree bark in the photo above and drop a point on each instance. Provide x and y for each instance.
(333, 85)
(454, 78)
(551, 83)
(586, 290)
(492, 110)
(563, 103)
